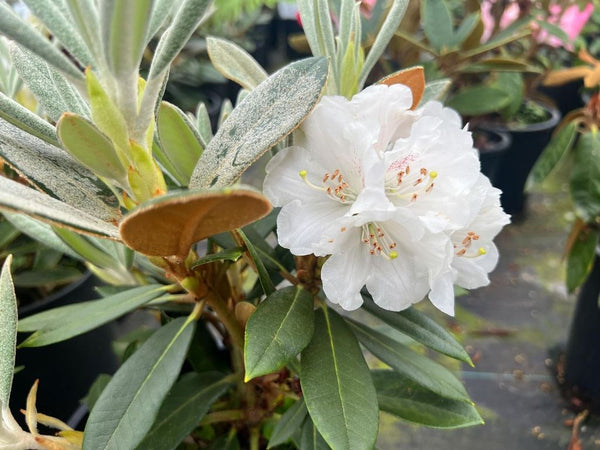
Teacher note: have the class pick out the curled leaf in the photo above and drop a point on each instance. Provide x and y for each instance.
(170, 224)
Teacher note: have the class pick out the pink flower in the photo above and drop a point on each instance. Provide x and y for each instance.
(509, 15)
(366, 8)
(571, 20)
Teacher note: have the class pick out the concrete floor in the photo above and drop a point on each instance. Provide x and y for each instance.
(509, 327)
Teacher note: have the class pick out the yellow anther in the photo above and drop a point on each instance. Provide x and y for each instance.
(482, 251)
(433, 174)
(393, 255)
(303, 173)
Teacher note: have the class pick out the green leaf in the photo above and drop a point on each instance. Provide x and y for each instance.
(418, 326)
(268, 114)
(288, 424)
(580, 259)
(187, 402)
(437, 24)
(179, 141)
(105, 113)
(84, 15)
(88, 251)
(186, 20)
(561, 142)
(17, 198)
(60, 24)
(337, 385)
(310, 438)
(124, 33)
(263, 275)
(232, 254)
(65, 322)
(414, 366)
(512, 83)
(385, 34)
(498, 64)
(161, 11)
(203, 124)
(554, 30)
(478, 100)
(279, 329)
(90, 147)
(39, 231)
(95, 390)
(22, 118)
(54, 93)
(585, 177)
(129, 404)
(402, 397)
(58, 275)
(54, 172)
(8, 332)
(464, 30)
(22, 32)
(235, 63)
(435, 90)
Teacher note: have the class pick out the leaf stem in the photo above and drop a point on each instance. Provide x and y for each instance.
(229, 415)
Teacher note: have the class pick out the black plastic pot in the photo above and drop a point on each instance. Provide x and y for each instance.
(493, 146)
(66, 370)
(566, 97)
(582, 361)
(528, 141)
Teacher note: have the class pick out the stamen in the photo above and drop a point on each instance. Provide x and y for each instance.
(482, 251)
(377, 240)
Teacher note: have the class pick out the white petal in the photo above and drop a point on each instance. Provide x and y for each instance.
(344, 275)
(300, 227)
(442, 293)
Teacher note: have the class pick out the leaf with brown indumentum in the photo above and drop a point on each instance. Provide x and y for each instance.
(171, 224)
(414, 78)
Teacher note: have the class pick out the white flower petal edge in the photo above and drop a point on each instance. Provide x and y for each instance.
(395, 196)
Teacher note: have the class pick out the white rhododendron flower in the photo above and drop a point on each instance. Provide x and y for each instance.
(395, 196)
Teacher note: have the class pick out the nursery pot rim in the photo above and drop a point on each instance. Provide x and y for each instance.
(552, 121)
(493, 147)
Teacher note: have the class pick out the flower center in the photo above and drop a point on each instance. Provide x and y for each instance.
(379, 243)
(333, 184)
(465, 247)
(405, 184)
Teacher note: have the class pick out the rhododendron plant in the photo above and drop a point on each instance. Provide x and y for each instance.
(395, 196)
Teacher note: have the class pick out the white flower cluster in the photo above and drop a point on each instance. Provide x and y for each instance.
(395, 196)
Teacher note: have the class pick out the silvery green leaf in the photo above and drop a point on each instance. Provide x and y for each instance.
(124, 27)
(18, 198)
(187, 18)
(308, 17)
(8, 332)
(226, 108)
(269, 113)
(203, 124)
(21, 117)
(40, 231)
(346, 19)
(179, 141)
(85, 17)
(22, 32)
(389, 27)
(90, 147)
(60, 24)
(435, 90)
(53, 171)
(235, 63)
(52, 90)
(88, 251)
(160, 12)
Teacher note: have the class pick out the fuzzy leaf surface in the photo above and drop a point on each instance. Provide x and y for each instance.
(8, 332)
(235, 63)
(268, 114)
